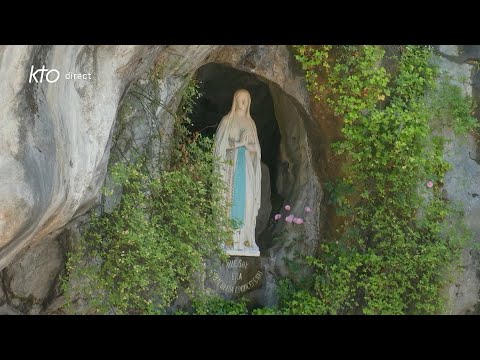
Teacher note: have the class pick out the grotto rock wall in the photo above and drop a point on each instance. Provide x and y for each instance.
(462, 182)
(55, 141)
(55, 138)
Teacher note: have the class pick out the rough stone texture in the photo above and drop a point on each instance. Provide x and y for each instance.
(470, 51)
(462, 185)
(460, 74)
(54, 138)
(33, 275)
(462, 182)
(55, 142)
(145, 128)
(460, 53)
(271, 62)
(56, 299)
(451, 50)
(7, 310)
(297, 182)
(3, 297)
(263, 216)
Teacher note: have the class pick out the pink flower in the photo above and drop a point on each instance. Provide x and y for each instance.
(277, 216)
(289, 218)
(287, 207)
(307, 209)
(298, 221)
(430, 184)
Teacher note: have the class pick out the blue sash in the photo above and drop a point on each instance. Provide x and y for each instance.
(239, 187)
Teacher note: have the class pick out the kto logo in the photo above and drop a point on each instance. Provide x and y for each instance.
(51, 78)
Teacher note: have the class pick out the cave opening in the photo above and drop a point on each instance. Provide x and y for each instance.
(217, 84)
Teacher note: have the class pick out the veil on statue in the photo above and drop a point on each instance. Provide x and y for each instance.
(253, 175)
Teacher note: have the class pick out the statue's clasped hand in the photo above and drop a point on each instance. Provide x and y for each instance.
(246, 141)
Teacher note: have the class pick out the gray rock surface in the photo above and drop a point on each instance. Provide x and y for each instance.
(460, 53)
(297, 182)
(462, 185)
(31, 278)
(450, 50)
(462, 182)
(54, 139)
(263, 216)
(3, 297)
(7, 310)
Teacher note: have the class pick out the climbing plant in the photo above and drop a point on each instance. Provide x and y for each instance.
(216, 305)
(400, 232)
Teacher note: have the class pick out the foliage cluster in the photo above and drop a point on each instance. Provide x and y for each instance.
(168, 224)
(399, 234)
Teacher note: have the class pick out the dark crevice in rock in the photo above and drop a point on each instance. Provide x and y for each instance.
(466, 54)
(65, 242)
(5, 283)
(3, 290)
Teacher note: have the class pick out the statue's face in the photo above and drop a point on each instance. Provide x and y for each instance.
(242, 101)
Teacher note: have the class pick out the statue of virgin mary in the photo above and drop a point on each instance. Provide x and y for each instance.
(237, 145)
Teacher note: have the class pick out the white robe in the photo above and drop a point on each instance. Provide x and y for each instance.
(244, 238)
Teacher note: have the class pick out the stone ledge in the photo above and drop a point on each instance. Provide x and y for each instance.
(243, 252)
